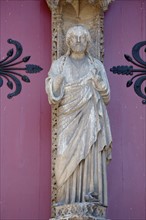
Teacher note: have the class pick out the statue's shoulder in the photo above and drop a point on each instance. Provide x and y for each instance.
(57, 65)
(97, 62)
(59, 60)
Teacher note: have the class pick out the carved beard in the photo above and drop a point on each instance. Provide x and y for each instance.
(78, 48)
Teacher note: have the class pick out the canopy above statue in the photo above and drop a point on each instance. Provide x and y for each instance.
(67, 13)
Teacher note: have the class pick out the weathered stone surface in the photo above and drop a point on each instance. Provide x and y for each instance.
(80, 211)
(65, 14)
(102, 3)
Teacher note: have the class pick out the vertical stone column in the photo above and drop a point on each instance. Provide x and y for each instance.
(65, 14)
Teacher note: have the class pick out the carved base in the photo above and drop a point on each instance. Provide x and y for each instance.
(80, 211)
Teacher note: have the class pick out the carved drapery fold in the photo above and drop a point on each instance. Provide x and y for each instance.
(65, 14)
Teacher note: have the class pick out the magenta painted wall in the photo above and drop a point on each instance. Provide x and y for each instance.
(125, 25)
(25, 121)
(25, 136)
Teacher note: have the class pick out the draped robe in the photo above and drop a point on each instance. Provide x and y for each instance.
(83, 129)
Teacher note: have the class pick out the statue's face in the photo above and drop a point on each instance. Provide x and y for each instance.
(78, 42)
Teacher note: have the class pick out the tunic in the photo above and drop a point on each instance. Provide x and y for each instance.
(83, 129)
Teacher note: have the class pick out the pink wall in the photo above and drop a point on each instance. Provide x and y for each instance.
(125, 25)
(25, 120)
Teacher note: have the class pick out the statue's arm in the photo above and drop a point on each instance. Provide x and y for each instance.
(54, 84)
(101, 83)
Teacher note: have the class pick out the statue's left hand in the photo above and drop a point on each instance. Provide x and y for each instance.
(97, 79)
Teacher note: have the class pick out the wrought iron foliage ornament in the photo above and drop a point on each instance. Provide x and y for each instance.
(10, 72)
(138, 79)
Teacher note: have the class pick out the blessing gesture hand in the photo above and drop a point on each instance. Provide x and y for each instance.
(97, 79)
(57, 82)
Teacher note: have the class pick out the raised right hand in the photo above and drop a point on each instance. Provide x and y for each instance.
(57, 82)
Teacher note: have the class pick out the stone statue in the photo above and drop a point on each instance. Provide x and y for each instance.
(78, 83)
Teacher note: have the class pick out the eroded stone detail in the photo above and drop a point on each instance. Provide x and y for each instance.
(82, 211)
(103, 3)
(67, 13)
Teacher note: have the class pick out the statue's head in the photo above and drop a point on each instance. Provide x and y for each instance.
(78, 39)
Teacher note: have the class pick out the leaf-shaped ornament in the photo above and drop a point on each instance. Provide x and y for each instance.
(25, 79)
(25, 59)
(10, 53)
(10, 84)
(129, 83)
(1, 82)
(128, 58)
(31, 68)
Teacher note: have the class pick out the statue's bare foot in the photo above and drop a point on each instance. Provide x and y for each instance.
(92, 197)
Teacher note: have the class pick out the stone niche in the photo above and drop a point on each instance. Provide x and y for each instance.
(65, 14)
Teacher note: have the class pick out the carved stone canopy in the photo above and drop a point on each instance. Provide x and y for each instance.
(67, 13)
(53, 4)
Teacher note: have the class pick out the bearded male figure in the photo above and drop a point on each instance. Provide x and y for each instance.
(78, 83)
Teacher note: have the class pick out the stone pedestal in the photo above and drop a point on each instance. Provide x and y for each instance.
(80, 211)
